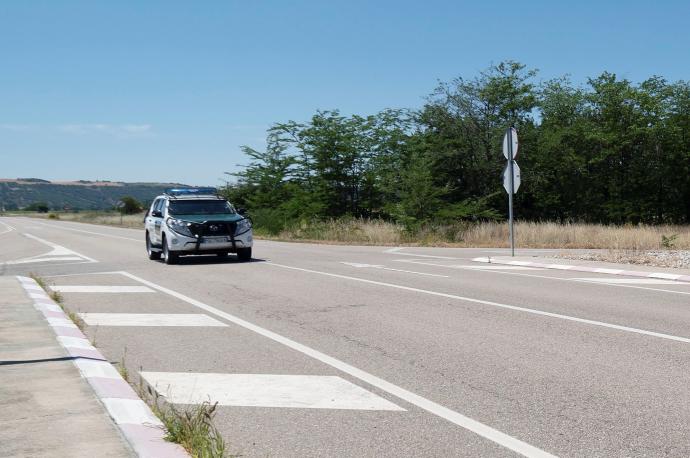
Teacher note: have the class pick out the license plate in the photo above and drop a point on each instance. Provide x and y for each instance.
(212, 240)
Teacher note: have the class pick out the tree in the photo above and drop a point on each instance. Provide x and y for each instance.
(129, 205)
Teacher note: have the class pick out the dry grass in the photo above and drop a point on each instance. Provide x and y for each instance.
(486, 234)
(493, 234)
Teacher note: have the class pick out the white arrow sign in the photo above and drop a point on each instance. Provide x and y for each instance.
(511, 132)
(516, 177)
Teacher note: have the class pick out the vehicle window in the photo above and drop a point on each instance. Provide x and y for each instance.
(160, 204)
(154, 206)
(200, 207)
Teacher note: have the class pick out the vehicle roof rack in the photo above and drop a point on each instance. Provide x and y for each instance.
(192, 192)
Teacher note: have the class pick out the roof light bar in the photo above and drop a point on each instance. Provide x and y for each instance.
(191, 191)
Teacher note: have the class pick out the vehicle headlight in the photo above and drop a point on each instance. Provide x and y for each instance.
(179, 226)
(243, 225)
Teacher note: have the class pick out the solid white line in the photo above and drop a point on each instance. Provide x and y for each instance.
(396, 251)
(89, 232)
(379, 267)
(150, 319)
(265, 390)
(100, 289)
(494, 304)
(481, 429)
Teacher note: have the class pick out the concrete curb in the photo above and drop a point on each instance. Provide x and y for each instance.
(599, 270)
(137, 423)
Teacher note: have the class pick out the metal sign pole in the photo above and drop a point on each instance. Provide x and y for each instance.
(511, 191)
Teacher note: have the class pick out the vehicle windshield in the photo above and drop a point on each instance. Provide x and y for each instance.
(200, 207)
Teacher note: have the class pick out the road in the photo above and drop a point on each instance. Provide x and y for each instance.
(320, 350)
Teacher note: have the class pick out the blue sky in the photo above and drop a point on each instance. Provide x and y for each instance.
(169, 90)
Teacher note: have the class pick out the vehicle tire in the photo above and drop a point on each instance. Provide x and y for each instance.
(170, 257)
(153, 255)
(244, 254)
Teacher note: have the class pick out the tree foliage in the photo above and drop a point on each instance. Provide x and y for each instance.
(610, 151)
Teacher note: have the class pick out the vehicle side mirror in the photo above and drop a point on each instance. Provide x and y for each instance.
(157, 214)
(242, 211)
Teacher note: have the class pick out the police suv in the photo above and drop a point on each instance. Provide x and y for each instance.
(189, 221)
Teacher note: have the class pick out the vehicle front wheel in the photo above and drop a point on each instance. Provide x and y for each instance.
(244, 254)
(170, 257)
(153, 255)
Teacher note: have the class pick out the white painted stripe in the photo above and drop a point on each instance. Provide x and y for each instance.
(265, 390)
(63, 322)
(632, 281)
(102, 369)
(75, 342)
(398, 253)
(452, 416)
(89, 232)
(101, 289)
(130, 411)
(149, 319)
(58, 250)
(459, 266)
(47, 259)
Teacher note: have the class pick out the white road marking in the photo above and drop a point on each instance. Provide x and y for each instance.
(8, 228)
(89, 232)
(468, 267)
(380, 267)
(49, 259)
(632, 281)
(452, 416)
(100, 289)
(58, 253)
(130, 411)
(396, 251)
(149, 319)
(265, 390)
(493, 304)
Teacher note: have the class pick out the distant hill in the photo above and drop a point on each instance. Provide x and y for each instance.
(19, 193)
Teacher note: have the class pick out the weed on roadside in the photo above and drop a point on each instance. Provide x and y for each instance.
(191, 427)
(122, 366)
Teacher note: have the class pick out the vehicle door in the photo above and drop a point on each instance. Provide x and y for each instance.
(157, 221)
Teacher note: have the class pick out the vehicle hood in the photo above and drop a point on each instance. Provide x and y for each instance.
(201, 218)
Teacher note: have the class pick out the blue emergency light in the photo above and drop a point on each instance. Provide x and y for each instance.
(191, 191)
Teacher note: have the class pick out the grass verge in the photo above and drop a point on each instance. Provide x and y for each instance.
(57, 298)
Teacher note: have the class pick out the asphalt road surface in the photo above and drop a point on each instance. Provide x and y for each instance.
(318, 350)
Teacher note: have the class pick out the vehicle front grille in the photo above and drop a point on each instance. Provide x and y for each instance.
(213, 228)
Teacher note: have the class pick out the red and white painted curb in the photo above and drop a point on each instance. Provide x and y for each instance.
(599, 270)
(142, 429)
